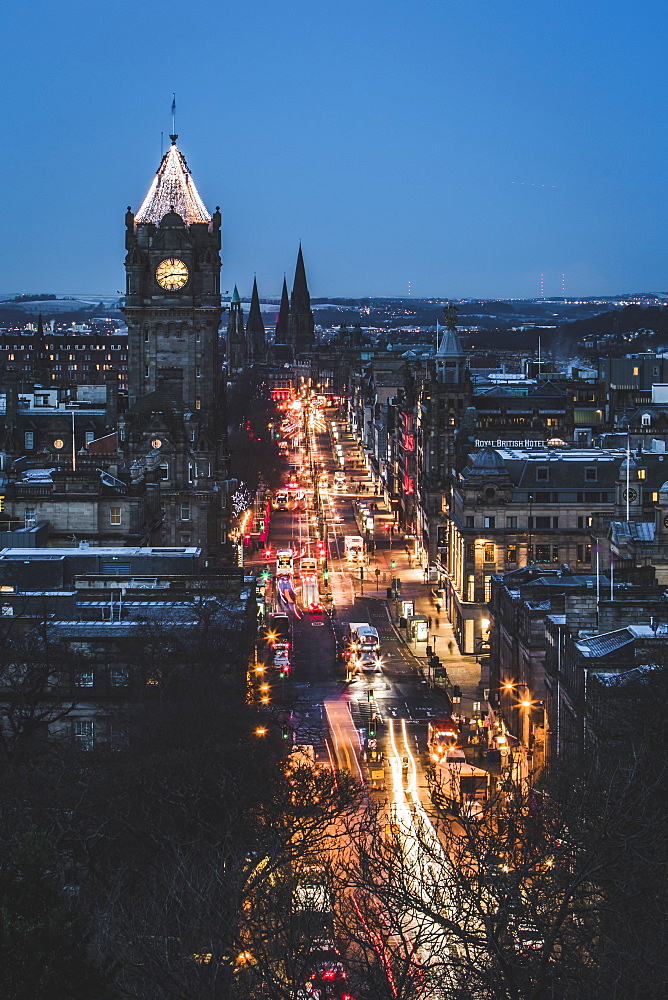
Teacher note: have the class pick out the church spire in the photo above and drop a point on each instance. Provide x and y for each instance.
(236, 339)
(255, 332)
(281, 336)
(301, 327)
(173, 190)
(301, 300)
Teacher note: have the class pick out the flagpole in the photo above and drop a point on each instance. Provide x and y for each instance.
(628, 475)
(173, 114)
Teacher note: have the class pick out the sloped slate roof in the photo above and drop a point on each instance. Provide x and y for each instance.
(639, 531)
(603, 645)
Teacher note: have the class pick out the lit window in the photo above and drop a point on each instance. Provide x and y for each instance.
(655, 497)
(83, 679)
(198, 403)
(90, 436)
(511, 554)
(642, 473)
(636, 371)
(490, 554)
(490, 522)
(84, 733)
(115, 515)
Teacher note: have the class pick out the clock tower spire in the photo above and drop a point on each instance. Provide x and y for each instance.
(175, 422)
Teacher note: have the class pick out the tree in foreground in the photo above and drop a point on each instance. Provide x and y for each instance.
(44, 938)
(552, 895)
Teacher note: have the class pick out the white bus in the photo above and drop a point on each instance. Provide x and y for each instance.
(285, 562)
(354, 548)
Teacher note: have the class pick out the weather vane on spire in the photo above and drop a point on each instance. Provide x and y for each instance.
(173, 136)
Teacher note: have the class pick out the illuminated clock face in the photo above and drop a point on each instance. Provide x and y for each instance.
(630, 495)
(171, 274)
(665, 520)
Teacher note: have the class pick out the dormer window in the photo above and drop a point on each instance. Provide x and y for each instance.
(642, 473)
(591, 475)
(646, 419)
(542, 474)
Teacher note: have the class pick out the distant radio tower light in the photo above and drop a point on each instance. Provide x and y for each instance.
(542, 286)
(563, 285)
(409, 289)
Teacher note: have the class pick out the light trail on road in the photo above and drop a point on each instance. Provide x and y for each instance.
(344, 735)
(426, 860)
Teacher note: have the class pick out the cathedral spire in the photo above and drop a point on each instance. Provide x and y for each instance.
(281, 336)
(301, 326)
(255, 331)
(301, 300)
(173, 190)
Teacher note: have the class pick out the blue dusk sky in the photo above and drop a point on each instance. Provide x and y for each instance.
(466, 148)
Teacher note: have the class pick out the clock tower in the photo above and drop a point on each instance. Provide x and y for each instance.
(175, 423)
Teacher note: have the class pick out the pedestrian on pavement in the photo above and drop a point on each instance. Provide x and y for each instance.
(451, 648)
(438, 622)
(429, 620)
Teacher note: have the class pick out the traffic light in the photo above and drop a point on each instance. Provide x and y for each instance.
(372, 728)
(2, 503)
(393, 564)
(265, 575)
(285, 732)
(325, 573)
(371, 695)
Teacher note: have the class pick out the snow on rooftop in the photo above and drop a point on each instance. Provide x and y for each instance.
(38, 475)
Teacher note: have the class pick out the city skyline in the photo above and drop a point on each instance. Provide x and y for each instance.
(467, 155)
